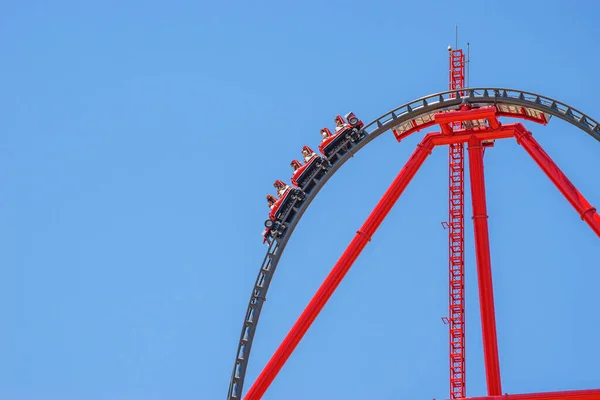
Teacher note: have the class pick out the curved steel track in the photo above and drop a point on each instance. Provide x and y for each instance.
(407, 112)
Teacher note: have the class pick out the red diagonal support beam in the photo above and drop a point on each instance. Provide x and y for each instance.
(593, 394)
(581, 205)
(363, 236)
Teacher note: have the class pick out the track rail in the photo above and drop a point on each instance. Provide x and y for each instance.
(390, 120)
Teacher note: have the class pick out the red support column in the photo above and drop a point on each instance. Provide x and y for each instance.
(583, 207)
(484, 268)
(340, 269)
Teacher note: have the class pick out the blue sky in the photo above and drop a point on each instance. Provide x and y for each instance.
(139, 142)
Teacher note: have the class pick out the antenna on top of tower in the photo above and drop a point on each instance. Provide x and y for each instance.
(468, 63)
(456, 44)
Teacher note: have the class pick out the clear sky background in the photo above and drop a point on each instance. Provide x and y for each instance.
(139, 139)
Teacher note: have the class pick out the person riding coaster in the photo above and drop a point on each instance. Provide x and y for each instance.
(281, 187)
(326, 133)
(308, 153)
(271, 200)
(296, 165)
(339, 123)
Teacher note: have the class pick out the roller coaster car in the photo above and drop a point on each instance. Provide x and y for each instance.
(313, 169)
(337, 143)
(282, 212)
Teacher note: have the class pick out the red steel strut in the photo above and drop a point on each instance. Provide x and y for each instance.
(484, 268)
(592, 394)
(363, 236)
(583, 207)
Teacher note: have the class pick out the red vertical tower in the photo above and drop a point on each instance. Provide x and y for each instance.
(456, 240)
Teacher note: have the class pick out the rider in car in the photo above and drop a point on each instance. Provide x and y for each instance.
(281, 187)
(339, 124)
(307, 154)
(295, 164)
(271, 200)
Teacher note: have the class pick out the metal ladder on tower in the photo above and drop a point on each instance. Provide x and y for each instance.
(456, 275)
(456, 242)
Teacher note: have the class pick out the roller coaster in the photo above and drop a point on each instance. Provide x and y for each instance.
(470, 116)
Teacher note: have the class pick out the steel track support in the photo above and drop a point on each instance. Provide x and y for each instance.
(564, 185)
(363, 236)
(255, 305)
(484, 268)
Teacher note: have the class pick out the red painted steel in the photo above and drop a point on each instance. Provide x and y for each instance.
(592, 394)
(583, 207)
(486, 298)
(456, 76)
(363, 236)
(456, 259)
(449, 117)
(506, 131)
(456, 238)
(484, 267)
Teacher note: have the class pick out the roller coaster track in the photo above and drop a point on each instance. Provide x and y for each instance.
(519, 104)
